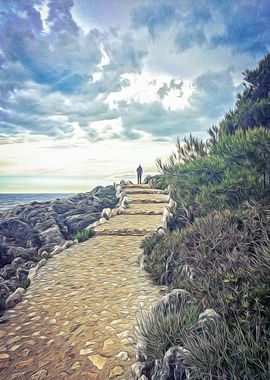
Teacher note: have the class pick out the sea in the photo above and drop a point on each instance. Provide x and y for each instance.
(11, 200)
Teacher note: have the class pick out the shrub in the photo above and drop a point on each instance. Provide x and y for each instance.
(163, 325)
(84, 235)
(25, 283)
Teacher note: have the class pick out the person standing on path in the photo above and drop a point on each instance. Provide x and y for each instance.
(139, 174)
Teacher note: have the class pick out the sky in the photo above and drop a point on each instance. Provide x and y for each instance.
(89, 89)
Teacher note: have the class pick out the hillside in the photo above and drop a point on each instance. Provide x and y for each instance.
(216, 250)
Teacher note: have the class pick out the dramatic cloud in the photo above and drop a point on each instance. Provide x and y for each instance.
(79, 74)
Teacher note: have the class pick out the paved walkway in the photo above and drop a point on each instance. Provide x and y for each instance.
(76, 319)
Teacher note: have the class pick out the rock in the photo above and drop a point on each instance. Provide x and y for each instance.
(30, 232)
(108, 344)
(4, 356)
(40, 375)
(14, 298)
(86, 351)
(123, 355)
(124, 203)
(116, 371)
(166, 218)
(32, 274)
(172, 205)
(17, 262)
(102, 221)
(68, 244)
(106, 213)
(98, 361)
(41, 264)
(138, 369)
(57, 249)
(21, 273)
(114, 212)
(209, 314)
(93, 225)
(161, 231)
(7, 271)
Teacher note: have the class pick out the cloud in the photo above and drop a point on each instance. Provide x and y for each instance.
(242, 25)
(212, 95)
(74, 89)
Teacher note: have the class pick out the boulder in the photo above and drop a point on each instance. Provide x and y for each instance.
(39, 230)
(21, 273)
(14, 298)
(106, 213)
(7, 271)
(41, 264)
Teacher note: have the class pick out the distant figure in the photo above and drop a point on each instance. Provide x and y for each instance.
(139, 174)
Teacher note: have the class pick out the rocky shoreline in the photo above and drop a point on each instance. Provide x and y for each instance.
(30, 233)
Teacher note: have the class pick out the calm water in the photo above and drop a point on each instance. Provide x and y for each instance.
(11, 200)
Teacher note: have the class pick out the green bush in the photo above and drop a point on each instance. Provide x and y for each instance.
(161, 328)
(25, 283)
(84, 235)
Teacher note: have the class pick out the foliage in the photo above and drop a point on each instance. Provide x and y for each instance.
(252, 108)
(84, 235)
(25, 283)
(160, 328)
(219, 250)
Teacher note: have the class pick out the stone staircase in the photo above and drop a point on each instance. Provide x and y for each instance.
(76, 319)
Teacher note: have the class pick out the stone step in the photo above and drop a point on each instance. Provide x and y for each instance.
(132, 186)
(138, 212)
(150, 191)
(140, 201)
(124, 232)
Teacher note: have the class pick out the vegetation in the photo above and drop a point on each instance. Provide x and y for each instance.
(84, 235)
(218, 248)
(25, 283)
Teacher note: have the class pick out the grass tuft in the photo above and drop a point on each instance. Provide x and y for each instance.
(84, 235)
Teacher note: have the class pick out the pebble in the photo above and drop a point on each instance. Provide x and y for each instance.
(116, 371)
(123, 355)
(86, 351)
(98, 361)
(4, 356)
(108, 345)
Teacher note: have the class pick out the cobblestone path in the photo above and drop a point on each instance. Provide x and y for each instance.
(76, 318)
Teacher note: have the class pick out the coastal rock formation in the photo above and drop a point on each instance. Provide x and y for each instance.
(30, 233)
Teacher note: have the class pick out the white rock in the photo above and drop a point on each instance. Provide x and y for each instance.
(102, 220)
(114, 212)
(57, 249)
(68, 244)
(14, 298)
(41, 263)
(32, 274)
(118, 191)
(208, 313)
(92, 225)
(106, 213)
